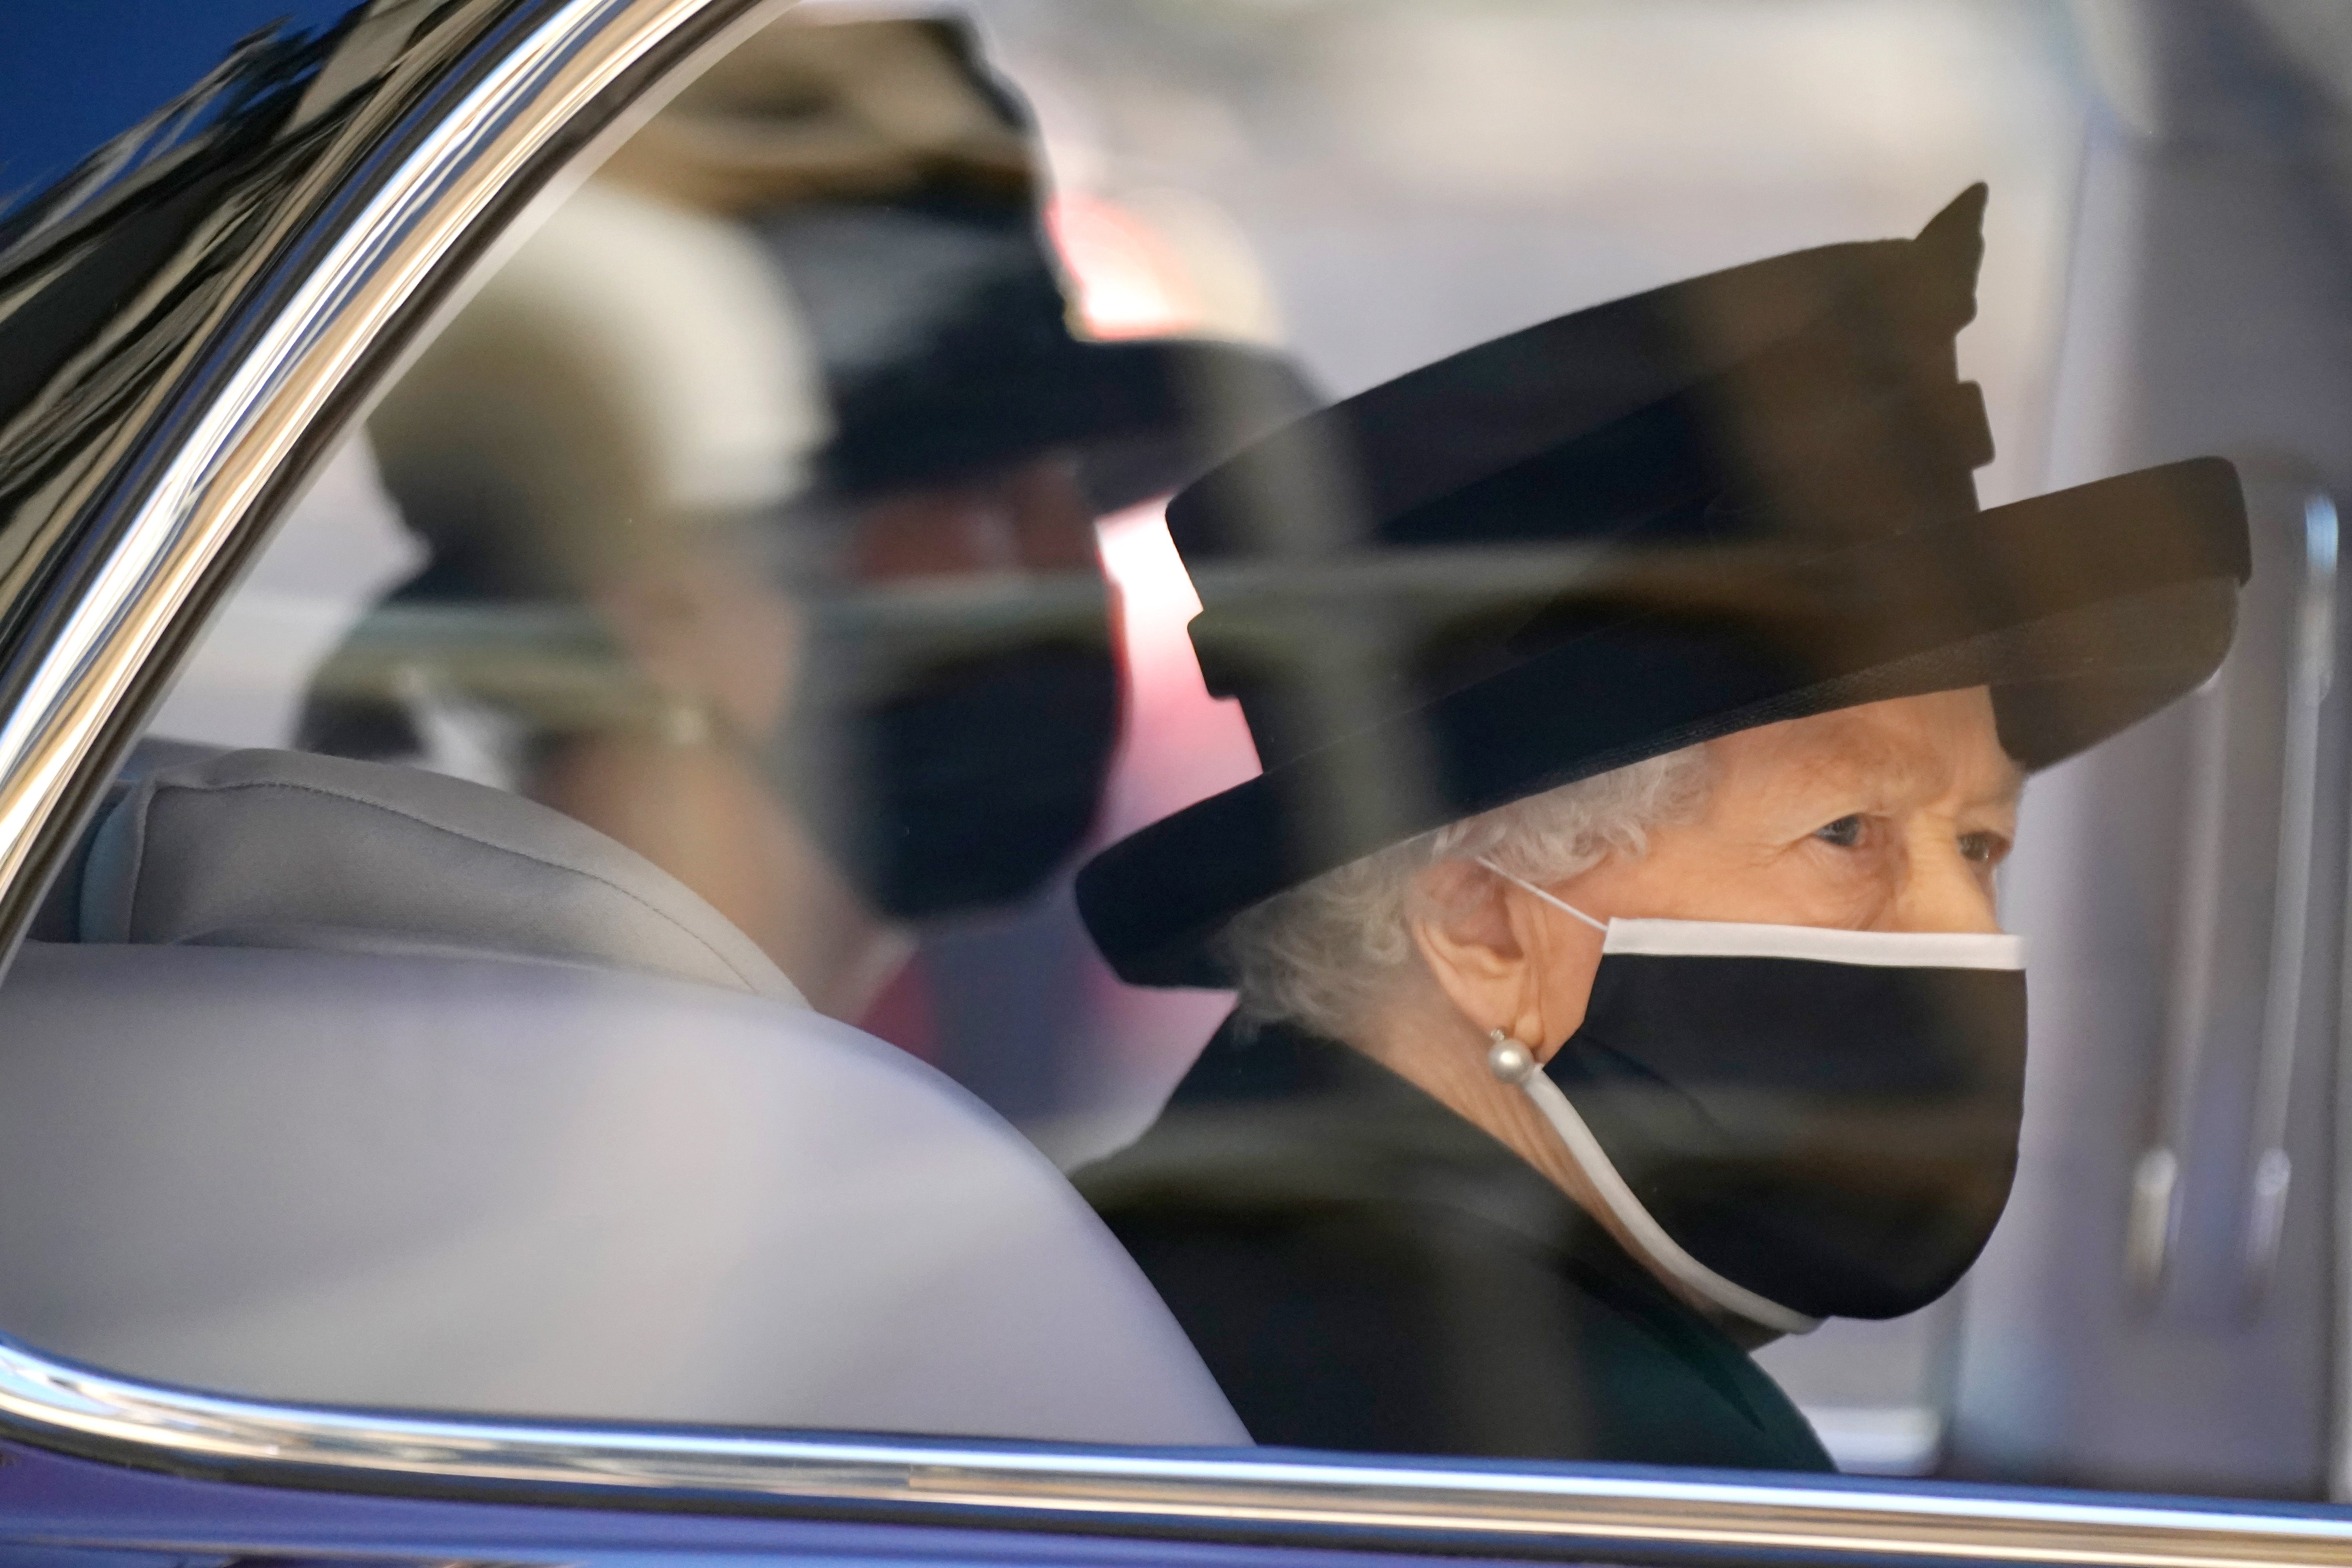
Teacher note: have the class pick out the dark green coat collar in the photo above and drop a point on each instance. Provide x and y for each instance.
(1284, 1163)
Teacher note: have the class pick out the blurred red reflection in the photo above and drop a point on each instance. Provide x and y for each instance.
(1130, 282)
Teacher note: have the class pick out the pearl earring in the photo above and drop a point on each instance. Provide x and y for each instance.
(1506, 1059)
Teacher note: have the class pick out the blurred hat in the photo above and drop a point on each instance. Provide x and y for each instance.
(820, 271)
(1733, 500)
(896, 180)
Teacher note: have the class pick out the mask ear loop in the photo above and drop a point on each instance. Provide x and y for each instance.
(1514, 1061)
(1556, 902)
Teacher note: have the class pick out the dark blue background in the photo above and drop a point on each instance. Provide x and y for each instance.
(75, 72)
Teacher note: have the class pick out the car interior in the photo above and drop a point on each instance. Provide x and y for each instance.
(315, 1054)
(376, 1079)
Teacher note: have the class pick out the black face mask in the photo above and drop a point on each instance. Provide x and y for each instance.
(940, 781)
(1796, 1123)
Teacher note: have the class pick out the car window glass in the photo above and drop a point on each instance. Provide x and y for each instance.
(767, 584)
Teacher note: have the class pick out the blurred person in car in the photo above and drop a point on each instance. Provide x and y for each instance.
(760, 489)
(1645, 709)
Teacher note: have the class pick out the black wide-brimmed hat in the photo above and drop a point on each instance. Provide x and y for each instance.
(1737, 500)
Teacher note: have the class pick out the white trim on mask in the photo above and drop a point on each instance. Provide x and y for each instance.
(1820, 944)
(1646, 1234)
(1823, 945)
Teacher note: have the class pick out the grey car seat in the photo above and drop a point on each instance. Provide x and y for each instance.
(334, 1081)
(283, 849)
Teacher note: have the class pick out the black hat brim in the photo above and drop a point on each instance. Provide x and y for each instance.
(2084, 611)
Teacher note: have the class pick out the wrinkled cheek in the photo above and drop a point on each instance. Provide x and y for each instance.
(1943, 890)
(1564, 984)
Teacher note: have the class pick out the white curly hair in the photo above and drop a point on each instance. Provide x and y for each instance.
(1326, 953)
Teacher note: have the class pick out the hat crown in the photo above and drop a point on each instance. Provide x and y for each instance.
(1795, 404)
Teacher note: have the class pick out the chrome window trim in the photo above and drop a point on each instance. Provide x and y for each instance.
(215, 477)
(211, 465)
(1300, 1500)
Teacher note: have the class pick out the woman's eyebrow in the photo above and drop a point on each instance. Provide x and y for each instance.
(2011, 788)
(1870, 769)
(1880, 771)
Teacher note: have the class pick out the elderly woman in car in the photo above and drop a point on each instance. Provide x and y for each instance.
(1643, 700)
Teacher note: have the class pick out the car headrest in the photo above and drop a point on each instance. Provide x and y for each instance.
(285, 849)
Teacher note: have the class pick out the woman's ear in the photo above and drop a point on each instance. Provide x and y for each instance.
(1474, 949)
(1500, 957)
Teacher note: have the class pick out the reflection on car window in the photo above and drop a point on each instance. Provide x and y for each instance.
(1464, 659)
(71, 84)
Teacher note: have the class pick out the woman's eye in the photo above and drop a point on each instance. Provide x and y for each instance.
(1984, 849)
(1845, 832)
